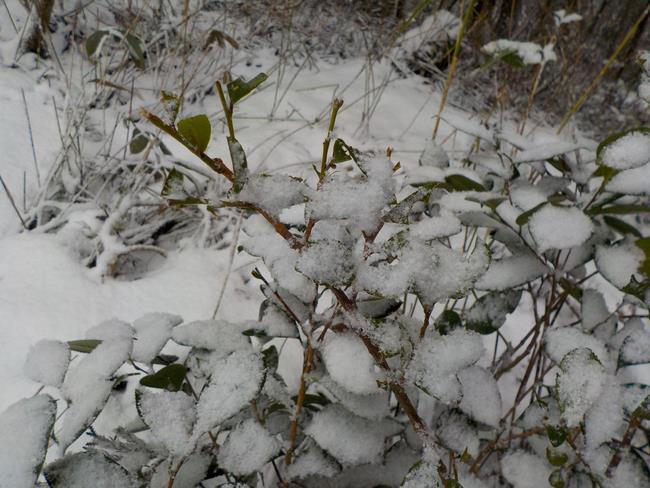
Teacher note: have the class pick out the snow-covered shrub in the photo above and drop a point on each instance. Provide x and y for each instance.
(397, 284)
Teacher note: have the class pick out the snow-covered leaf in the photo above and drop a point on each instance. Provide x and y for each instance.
(25, 428)
(559, 227)
(152, 331)
(350, 439)
(481, 397)
(47, 362)
(512, 271)
(625, 150)
(437, 359)
(247, 449)
(88, 385)
(579, 384)
(344, 353)
(489, 312)
(84, 468)
(235, 381)
(170, 416)
(216, 335)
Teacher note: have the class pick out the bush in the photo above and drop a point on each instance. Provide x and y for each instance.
(393, 284)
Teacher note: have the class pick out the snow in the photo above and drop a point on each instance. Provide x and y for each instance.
(235, 381)
(373, 406)
(579, 384)
(152, 331)
(344, 353)
(33, 265)
(47, 362)
(24, 432)
(87, 386)
(111, 329)
(559, 227)
(630, 151)
(247, 449)
(525, 470)
(434, 155)
(350, 439)
(170, 415)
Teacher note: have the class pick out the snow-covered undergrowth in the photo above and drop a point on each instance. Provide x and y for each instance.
(310, 291)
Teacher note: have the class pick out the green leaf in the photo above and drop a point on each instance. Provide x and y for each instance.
(239, 164)
(525, 217)
(447, 321)
(399, 213)
(614, 137)
(513, 59)
(620, 209)
(342, 152)
(556, 458)
(555, 479)
(138, 143)
(556, 434)
(238, 89)
(171, 103)
(220, 38)
(84, 345)
(270, 357)
(134, 45)
(463, 183)
(605, 172)
(174, 185)
(621, 226)
(254, 333)
(644, 245)
(168, 378)
(93, 42)
(196, 131)
(489, 312)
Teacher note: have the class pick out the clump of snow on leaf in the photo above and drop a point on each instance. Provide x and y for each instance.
(152, 331)
(618, 264)
(630, 151)
(84, 468)
(349, 364)
(247, 449)
(350, 439)
(170, 416)
(559, 227)
(25, 427)
(437, 359)
(88, 385)
(216, 335)
(511, 271)
(525, 470)
(481, 398)
(47, 362)
(579, 383)
(235, 381)
(528, 52)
